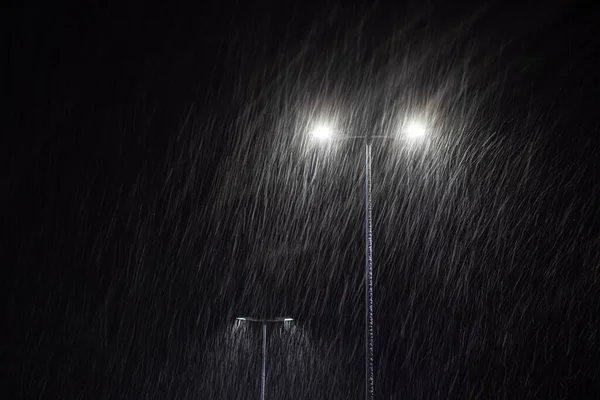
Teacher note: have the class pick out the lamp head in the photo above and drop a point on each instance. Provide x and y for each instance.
(322, 132)
(415, 130)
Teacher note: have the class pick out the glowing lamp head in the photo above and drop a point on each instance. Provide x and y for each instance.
(322, 132)
(415, 130)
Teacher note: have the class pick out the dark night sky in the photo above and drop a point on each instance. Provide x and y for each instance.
(156, 185)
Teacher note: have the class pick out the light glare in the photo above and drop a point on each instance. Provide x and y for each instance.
(415, 130)
(322, 132)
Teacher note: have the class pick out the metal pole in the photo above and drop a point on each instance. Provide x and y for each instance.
(369, 379)
(264, 363)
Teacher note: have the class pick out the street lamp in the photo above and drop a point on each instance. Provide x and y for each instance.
(412, 130)
(264, 322)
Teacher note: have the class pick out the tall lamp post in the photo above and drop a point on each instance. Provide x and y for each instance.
(264, 322)
(412, 130)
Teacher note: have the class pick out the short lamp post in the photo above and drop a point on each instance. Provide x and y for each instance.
(264, 322)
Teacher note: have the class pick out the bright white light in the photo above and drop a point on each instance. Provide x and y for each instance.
(241, 319)
(322, 132)
(288, 319)
(415, 130)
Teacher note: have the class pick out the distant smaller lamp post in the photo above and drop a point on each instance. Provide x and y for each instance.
(264, 322)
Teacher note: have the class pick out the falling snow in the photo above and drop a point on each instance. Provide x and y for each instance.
(171, 184)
